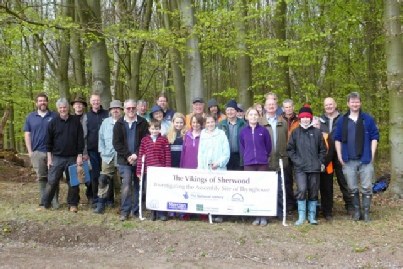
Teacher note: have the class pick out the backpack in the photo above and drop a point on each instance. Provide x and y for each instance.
(381, 184)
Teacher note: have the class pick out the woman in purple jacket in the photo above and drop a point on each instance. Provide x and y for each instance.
(255, 147)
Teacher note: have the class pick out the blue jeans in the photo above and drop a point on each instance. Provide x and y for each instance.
(96, 161)
(60, 165)
(128, 174)
(351, 170)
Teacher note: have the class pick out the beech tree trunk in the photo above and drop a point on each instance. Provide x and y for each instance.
(394, 58)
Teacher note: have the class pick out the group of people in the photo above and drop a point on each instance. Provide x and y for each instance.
(311, 148)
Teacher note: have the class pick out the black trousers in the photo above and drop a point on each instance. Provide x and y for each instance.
(326, 193)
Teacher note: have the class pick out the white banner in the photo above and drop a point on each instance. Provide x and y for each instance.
(215, 192)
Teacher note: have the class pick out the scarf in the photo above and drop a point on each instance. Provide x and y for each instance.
(359, 133)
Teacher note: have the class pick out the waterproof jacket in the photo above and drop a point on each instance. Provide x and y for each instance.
(325, 122)
(120, 139)
(280, 151)
(105, 145)
(307, 149)
(370, 133)
(292, 123)
(240, 124)
(255, 145)
(213, 148)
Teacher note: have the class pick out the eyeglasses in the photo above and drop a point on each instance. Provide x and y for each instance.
(131, 108)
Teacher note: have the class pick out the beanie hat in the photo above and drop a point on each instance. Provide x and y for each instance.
(232, 104)
(212, 102)
(305, 112)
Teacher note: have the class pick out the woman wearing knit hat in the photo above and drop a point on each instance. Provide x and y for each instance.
(307, 150)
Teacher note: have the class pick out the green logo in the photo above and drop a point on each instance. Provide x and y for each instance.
(199, 207)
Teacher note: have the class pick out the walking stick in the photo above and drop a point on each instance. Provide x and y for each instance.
(283, 189)
(141, 188)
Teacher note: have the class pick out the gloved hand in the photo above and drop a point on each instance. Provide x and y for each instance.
(322, 167)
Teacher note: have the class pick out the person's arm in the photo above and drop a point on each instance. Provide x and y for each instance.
(50, 160)
(374, 146)
(80, 143)
(27, 138)
(225, 153)
(338, 150)
(85, 133)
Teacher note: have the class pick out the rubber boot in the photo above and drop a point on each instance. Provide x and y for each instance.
(355, 199)
(100, 209)
(312, 212)
(366, 204)
(301, 212)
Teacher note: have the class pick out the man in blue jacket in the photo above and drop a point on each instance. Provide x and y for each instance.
(356, 140)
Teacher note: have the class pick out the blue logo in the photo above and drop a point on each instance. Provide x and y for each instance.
(186, 195)
(177, 206)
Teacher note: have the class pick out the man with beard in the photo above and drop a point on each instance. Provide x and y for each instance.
(64, 146)
(35, 133)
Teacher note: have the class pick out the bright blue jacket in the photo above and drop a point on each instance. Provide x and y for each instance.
(370, 133)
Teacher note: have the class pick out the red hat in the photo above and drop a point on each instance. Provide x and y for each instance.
(305, 112)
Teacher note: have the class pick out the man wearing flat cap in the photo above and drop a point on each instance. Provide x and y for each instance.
(109, 158)
(198, 108)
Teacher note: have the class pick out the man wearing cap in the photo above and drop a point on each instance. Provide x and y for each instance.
(78, 105)
(162, 101)
(109, 157)
(231, 126)
(357, 139)
(307, 150)
(35, 135)
(214, 109)
(198, 108)
(91, 123)
(127, 134)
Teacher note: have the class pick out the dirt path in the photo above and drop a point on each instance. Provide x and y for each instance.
(60, 239)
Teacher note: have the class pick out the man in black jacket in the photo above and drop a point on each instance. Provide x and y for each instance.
(65, 145)
(91, 123)
(127, 134)
(328, 125)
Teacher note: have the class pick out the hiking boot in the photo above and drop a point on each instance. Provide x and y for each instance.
(256, 221)
(163, 218)
(123, 218)
(218, 220)
(41, 208)
(73, 209)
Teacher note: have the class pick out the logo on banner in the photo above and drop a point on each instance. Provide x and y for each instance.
(237, 197)
(177, 206)
(199, 207)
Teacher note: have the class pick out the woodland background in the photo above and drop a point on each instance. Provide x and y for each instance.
(300, 49)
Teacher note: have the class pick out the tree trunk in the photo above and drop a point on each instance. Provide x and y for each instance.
(4, 119)
(243, 62)
(175, 59)
(394, 59)
(194, 84)
(90, 13)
